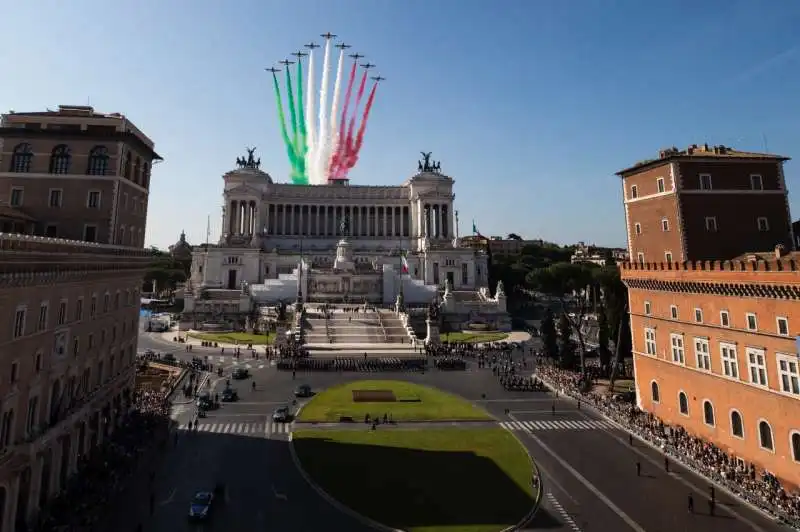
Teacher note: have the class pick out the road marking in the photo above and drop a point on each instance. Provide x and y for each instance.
(583, 480)
(680, 479)
(168, 499)
(562, 512)
(279, 496)
(253, 429)
(558, 424)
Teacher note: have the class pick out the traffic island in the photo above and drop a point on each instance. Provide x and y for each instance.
(437, 480)
(414, 474)
(400, 401)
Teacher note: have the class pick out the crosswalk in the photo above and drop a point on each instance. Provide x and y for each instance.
(252, 430)
(568, 424)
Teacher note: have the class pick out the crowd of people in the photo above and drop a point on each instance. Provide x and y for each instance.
(362, 364)
(758, 487)
(104, 474)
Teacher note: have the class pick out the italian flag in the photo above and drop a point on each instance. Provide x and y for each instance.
(404, 261)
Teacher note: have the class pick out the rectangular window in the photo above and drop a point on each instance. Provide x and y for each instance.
(464, 276)
(90, 341)
(637, 227)
(783, 326)
(41, 323)
(678, 352)
(752, 322)
(705, 181)
(724, 318)
(55, 197)
(702, 354)
(62, 312)
(51, 231)
(634, 192)
(650, 341)
(93, 307)
(640, 257)
(756, 182)
(79, 309)
(673, 312)
(16, 198)
(711, 224)
(14, 372)
(757, 366)
(647, 308)
(668, 257)
(90, 233)
(763, 223)
(730, 362)
(698, 315)
(76, 346)
(660, 184)
(665, 225)
(106, 302)
(93, 199)
(789, 373)
(19, 322)
(33, 414)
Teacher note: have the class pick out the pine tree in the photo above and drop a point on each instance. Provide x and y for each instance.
(549, 336)
(566, 347)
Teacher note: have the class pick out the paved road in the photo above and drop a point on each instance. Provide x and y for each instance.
(588, 465)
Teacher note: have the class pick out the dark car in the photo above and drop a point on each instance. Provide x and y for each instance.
(204, 401)
(200, 507)
(281, 415)
(240, 373)
(229, 395)
(304, 390)
(169, 357)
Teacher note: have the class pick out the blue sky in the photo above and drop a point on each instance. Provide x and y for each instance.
(530, 105)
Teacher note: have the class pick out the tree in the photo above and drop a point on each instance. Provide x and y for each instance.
(513, 236)
(549, 337)
(602, 339)
(566, 347)
(561, 280)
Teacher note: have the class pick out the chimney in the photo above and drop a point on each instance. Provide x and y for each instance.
(780, 251)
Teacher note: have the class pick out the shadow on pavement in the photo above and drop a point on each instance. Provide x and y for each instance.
(405, 488)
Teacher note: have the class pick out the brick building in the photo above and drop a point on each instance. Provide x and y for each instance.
(74, 188)
(75, 174)
(714, 328)
(705, 203)
(67, 359)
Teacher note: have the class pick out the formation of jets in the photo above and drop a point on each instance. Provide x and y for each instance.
(342, 46)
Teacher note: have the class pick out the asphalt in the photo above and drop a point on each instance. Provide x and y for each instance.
(588, 466)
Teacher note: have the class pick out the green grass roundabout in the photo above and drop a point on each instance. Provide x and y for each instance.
(462, 478)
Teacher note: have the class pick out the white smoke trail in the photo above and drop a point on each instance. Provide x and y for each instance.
(334, 132)
(323, 143)
(311, 120)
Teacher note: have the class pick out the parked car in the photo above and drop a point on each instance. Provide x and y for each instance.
(240, 373)
(229, 395)
(304, 390)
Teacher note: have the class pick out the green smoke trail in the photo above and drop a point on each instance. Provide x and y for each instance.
(292, 108)
(282, 118)
(302, 148)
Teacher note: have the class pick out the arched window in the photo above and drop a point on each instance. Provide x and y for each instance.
(98, 161)
(126, 169)
(794, 443)
(708, 413)
(765, 436)
(145, 175)
(137, 167)
(737, 427)
(59, 159)
(654, 392)
(21, 158)
(683, 404)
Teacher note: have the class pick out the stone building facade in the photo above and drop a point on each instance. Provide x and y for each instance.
(70, 314)
(715, 350)
(75, 173)
(705, 203)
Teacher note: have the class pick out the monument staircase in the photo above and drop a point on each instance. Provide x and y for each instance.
(378, 333)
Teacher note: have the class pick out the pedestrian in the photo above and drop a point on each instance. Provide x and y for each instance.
(713, 493)
(711, 505)
(666, 464)
(690, 503)
(579, 404)
(638, 469)
(630, 439)
(553, 408)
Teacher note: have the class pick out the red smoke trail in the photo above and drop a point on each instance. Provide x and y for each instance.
(338, 149)
(352, 158)
(349, 146)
